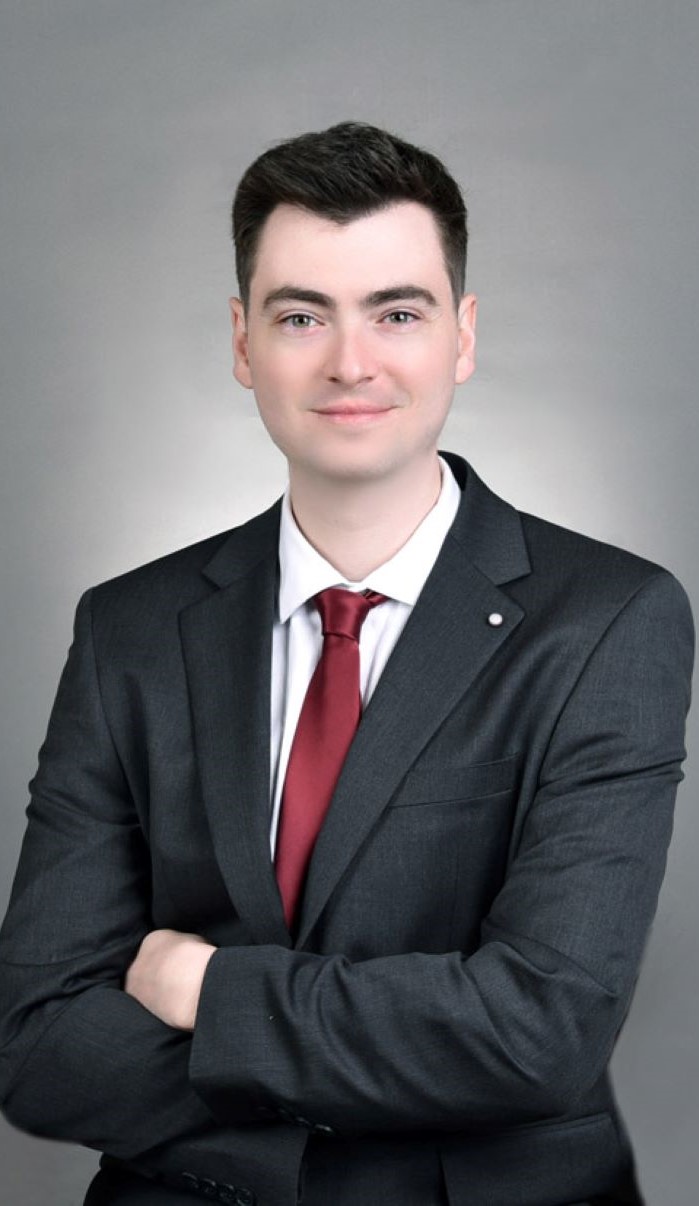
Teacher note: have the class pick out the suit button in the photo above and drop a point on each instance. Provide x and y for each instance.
(191, 1181)
(320, 1128)
(208, 1187)
(495, 619)
(228, 1195)
(245, 1198)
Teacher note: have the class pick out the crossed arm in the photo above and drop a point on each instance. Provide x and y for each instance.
(531, 1018)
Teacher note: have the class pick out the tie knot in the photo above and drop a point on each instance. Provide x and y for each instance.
(342, 612)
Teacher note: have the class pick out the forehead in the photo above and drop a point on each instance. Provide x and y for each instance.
(399, 243)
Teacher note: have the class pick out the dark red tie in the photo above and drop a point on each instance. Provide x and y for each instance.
(327, 723)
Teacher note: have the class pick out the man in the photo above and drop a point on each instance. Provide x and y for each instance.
(260, 951)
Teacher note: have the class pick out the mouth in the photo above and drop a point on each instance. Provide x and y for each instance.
(353, 412)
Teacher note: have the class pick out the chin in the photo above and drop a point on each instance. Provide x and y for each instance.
(355, 468)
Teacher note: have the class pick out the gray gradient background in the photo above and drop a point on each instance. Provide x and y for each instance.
(125, 125)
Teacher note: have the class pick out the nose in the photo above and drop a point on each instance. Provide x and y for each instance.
(351, 359)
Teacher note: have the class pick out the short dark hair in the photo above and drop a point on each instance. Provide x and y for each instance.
(345, 172)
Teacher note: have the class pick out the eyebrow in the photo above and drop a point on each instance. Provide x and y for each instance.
(379, 297)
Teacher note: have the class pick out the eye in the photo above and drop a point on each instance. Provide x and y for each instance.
(298, 321)
(400, 318)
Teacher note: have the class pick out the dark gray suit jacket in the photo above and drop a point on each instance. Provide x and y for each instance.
(477, 903)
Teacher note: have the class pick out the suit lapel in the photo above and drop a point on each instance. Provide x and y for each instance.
(444, 646)
(226, 640)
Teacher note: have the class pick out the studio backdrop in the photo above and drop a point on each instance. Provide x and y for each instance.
(125, 127)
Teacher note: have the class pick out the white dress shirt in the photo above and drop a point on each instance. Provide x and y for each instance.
(297, 637)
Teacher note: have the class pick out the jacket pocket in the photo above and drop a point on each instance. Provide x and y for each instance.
(540, 1165)
(435, 783)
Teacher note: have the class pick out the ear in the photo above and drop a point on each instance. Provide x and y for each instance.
(466, 356)
(241, 361)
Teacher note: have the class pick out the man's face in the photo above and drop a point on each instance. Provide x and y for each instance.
(351, 341)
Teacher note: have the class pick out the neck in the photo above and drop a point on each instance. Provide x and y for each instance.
(359, 526)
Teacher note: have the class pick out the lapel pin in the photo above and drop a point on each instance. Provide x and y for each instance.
(495, 619)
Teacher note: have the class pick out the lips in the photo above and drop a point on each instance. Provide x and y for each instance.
(351, 409)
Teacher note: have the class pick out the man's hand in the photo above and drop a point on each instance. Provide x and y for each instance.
(167, 974)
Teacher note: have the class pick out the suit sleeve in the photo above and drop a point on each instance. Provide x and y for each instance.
(521, 1029)
(79, 1059)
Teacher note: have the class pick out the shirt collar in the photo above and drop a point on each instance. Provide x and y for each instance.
(304, 572)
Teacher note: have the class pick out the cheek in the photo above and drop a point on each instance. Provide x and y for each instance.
(432, 387)
(278, 394)
(428, 366)
(269, 381)
(279, 372)
(273, 413)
